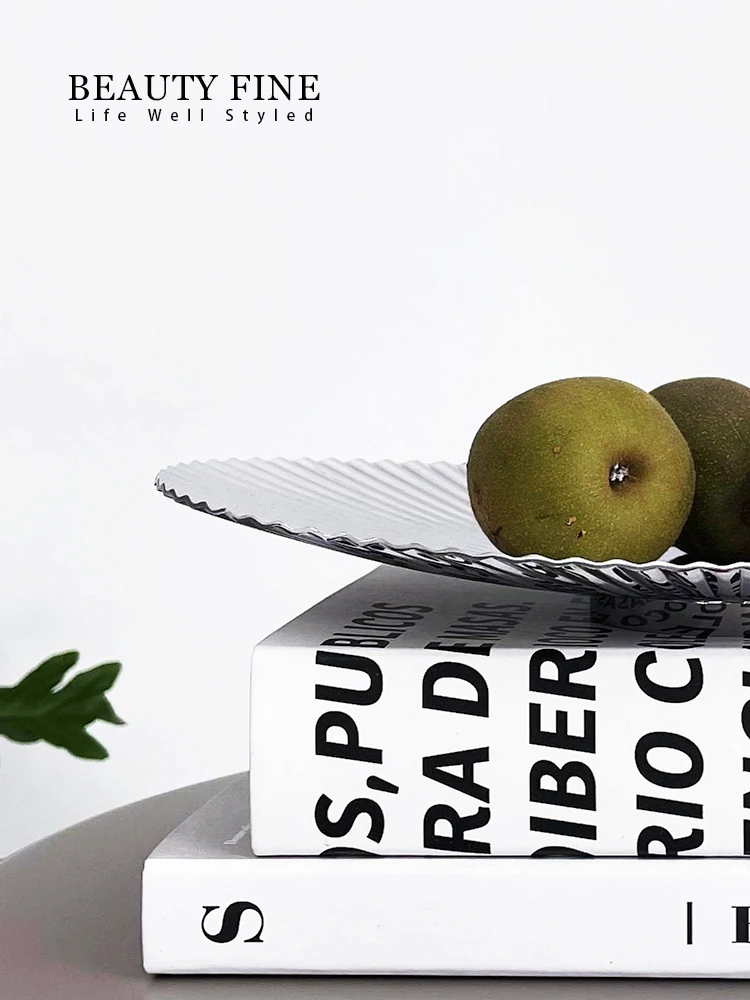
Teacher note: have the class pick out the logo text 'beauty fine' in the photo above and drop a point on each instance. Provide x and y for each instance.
(186, 97)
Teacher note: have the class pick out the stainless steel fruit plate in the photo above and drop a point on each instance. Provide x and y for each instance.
(417, 515)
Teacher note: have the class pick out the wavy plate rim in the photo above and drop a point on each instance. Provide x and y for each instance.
(353, 541)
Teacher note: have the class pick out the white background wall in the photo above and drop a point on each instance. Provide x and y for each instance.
(492, 194)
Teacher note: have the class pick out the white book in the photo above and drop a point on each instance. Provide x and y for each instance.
(211, 906)
(413, 714)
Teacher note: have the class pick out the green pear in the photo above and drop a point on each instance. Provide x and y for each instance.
(590, 467)
(714, 417)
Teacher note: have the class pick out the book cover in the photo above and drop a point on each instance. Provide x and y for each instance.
(416, 714)
(211, 906)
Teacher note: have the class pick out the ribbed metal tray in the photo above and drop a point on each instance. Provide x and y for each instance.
(417, 515)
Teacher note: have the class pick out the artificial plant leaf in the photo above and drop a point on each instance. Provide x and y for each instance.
(78, 742)
(108, 714)
(47, 675)
(89, 683)
(19, 733)
(33, 710)
(82, 713)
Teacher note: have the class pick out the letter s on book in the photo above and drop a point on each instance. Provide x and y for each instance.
(230, 923)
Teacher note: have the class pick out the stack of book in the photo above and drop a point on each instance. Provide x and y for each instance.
(449, 777)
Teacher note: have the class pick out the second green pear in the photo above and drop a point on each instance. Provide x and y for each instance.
(714, 417)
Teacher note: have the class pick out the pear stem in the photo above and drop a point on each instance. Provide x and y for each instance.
(618, 473)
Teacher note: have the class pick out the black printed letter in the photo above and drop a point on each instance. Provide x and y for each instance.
(480, 705)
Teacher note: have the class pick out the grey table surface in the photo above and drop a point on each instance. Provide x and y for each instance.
(69, 930)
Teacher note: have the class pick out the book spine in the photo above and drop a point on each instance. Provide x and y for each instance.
(563, 742)
(568, 917)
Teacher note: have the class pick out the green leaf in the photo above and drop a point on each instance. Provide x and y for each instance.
(19, 733)
(108, 714)
(90, 683)
(47, 675)
(82, 712)
(33, 710)
(77, 742)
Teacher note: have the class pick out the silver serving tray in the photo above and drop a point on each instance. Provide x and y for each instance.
(417, 515)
